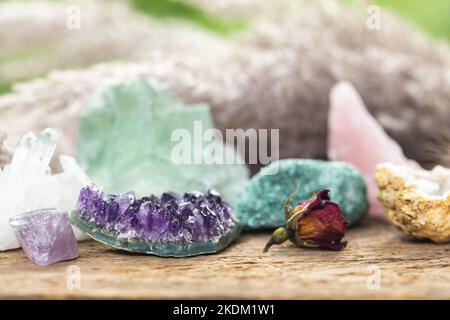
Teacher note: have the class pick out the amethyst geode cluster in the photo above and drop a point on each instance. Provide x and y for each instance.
(172, 225)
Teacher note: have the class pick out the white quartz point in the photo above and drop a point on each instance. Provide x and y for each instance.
(27, 183)
(41, 152)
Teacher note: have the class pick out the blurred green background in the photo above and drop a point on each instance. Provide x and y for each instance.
(432, 16)
(186, 11)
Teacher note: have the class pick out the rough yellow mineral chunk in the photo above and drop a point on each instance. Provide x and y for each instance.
(417, 201)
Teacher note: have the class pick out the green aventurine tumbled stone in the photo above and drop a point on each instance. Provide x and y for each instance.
(125, 144)
(260, 204)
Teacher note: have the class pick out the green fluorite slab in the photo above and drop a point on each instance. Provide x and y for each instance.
(260, 205)
(125, 144)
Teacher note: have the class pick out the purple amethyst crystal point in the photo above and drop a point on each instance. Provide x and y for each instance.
(172, 225)
(45, 235)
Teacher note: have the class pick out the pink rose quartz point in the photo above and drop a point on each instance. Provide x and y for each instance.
(46, 236)
(355, 136)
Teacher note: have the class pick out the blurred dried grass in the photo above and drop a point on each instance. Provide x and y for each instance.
(275, 74)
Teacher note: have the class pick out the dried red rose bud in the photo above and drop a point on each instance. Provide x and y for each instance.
(317, 222)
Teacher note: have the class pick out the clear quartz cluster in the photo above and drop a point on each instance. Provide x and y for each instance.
(27, 183)
(189, 218)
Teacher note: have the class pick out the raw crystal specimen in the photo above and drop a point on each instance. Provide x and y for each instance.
(417, 201)
(26, 184)
(129, 137)
(261, 203)
(355, 136)
(46, 236)
(173, 225)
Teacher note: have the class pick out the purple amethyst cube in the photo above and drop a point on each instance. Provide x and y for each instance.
(45, 235)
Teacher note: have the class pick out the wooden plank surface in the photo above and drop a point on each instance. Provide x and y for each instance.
(406, 269)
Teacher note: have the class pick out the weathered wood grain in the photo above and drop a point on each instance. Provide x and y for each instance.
(408, 269)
